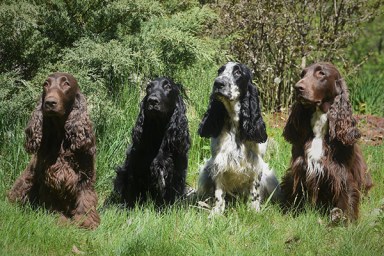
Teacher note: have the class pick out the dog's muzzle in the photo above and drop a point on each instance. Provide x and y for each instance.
(221, 87)
(153, 103)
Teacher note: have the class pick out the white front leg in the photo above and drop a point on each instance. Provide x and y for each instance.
(219, 201)
(255, 194)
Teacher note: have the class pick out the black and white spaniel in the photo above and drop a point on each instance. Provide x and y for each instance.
(156, 162)
(234, 123)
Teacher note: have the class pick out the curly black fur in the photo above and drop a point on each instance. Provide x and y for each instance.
(157, 160)
(213, 119)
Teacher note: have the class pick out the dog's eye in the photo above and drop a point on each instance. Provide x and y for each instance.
(66, 84)
(46, 84)
(321, 73)
(302, 74)
(221, 70)
(149, 86)
(237, 72)
(167, 86)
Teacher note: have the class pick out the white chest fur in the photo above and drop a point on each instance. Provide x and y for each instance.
(235, 163)
(228, 151)
(315, 152)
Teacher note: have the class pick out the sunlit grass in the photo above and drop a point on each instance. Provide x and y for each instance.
(182, 229)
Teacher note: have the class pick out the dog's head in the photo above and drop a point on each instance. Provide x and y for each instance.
(231, 82)
(59, 93)
(163, 109)
(64, 108)
(319, 85)
(233, 86)
(161, 96)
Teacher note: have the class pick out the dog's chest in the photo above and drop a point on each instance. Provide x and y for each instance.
(315, 150)
(60, 176)
(232, 155)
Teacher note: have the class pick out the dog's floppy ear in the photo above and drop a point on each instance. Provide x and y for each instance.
(79, 128)
(298, 124)
(342, 125)
(138, 129)
(177, 133)
(213, 120)
(252, 126)
(34, 129)
(246, 75)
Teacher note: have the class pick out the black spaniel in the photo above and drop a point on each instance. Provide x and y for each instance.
(157, 160)
(234, 123)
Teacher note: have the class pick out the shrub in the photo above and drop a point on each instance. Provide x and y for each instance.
(276, 38)
(22, 45)
(106, 45)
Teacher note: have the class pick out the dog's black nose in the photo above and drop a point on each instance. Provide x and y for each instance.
(50, 103)
(152, 100)
(218, 84)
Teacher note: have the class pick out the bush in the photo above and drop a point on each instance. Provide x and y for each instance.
(22, 45)
(16, 96)
(106, 45)
(278, 38)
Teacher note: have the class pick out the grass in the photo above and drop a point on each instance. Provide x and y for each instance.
(366, 94)
(182, 229)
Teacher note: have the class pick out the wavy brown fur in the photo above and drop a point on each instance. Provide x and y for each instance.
(345, 174)
(61, 173)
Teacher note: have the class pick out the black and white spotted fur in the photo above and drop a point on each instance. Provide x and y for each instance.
(234, 123)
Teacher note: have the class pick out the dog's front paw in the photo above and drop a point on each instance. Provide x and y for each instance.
(216, 211)
(158, 179)
(337, 217)
(255, 205)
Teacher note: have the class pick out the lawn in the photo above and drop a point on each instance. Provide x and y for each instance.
(185, 229)
(114, 47)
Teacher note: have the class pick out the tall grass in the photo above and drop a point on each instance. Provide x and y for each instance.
(366, 92)
(182, 229)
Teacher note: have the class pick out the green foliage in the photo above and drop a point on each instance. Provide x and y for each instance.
(175, 40)
(106, 45)
(148, 36)
(22, 45)
(368, 53)
(366, 94)
(113, 47)
(276, 38)
(16, 95)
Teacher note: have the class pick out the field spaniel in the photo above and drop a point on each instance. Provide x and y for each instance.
(327, 167)
(156, 162)
(61, 173)
(234, 123)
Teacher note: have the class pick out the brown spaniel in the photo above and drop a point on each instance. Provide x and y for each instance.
(61, 174)
(327, 167)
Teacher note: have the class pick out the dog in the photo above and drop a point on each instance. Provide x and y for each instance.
(61, 174)
(157, 160)
(327, 166)
(238, 135)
